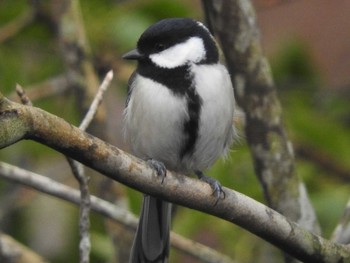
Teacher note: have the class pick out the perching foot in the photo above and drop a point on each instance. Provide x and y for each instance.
(218, 192)
(159, 167)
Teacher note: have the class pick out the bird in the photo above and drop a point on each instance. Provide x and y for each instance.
(178, 116)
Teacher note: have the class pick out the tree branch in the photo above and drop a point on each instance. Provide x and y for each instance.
(13, 251)
(235, 23)
(76, 53)
(341, 233)
(83, 180)
(23, 96)
(107, 209)
(47, 88)
(13, 27)
(82, 77)
(22, 122)
(97, 101)
(323, 160)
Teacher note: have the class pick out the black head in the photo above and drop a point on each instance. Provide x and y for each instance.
(175, 42)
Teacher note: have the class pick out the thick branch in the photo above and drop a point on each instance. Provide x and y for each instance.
(38, 125)
(235, 23)
(107, 209)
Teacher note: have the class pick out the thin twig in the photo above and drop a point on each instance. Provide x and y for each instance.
(341, 233)
(23, 96)
(12, 28)
(107, 209)
(97, 101)
(83, 180)
(84, 221)
(47, 88)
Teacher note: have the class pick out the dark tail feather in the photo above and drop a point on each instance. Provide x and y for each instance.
(151, 243)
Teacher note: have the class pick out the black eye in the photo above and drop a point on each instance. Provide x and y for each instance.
(159, 47)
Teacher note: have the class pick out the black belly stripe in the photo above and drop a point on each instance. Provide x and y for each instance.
(191, 126)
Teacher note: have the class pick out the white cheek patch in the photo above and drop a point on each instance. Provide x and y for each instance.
(192, 50)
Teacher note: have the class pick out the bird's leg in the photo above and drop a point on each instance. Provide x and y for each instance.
(159, 167)
(218, 192)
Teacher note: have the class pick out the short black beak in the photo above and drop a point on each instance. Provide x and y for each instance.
(133, 55)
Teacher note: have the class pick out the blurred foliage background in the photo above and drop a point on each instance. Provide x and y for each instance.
(317, 117)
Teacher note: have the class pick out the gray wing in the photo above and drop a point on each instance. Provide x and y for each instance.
(130, 85)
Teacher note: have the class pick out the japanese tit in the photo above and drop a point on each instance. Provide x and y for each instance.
(179, 114)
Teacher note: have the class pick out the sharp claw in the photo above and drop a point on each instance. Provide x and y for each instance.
(218, 192)
(159, 167)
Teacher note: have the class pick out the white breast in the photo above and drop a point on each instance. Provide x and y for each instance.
(154, 122)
